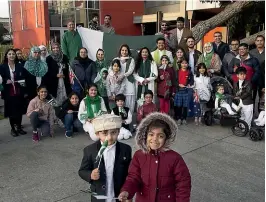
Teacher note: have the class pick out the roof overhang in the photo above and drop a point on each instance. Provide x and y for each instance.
(153, 18)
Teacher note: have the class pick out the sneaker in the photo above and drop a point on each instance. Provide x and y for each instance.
(68, 134)
(179, 122)
(184, 122)
(35, 137)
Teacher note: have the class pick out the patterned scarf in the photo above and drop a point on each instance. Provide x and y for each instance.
(207, 58)
(93, 105)
(100, 65)
(36, 66)
(157, 58)
(58, 57)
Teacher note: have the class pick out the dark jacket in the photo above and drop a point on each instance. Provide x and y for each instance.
(250, 63)
(50, 79)
(122, 160)
(245, 94)
(14, 105)
(262, 76)
(260, 56)
(226, 62)
(124, 116)
(196, 57)
(85, 71)
(190, 79)
(222, 49)
(5, 74)
(31, 85)
(62, 110)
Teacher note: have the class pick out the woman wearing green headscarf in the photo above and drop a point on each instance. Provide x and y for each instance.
(35, 70)
(210, 59)
(100, 64)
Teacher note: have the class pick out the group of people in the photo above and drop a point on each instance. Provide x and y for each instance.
(66, 86)
(153, 81)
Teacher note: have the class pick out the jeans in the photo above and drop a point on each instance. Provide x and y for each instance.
(71, 122)
(37, 123)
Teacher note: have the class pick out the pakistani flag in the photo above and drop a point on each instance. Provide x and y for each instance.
(110, 43)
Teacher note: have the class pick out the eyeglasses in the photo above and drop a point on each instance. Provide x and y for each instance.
(164, 25)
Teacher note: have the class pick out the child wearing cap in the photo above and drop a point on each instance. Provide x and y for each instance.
(106, 170)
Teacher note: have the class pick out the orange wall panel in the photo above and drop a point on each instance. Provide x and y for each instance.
(209, 37)
(30, 34)
(122, 13)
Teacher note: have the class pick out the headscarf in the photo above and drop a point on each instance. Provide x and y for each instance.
(36, 66)
(42, 47)
(207, 56)
(58, 57)
(100, 64)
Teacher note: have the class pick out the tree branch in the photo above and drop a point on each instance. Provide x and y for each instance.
(251, 39)
(230, 10)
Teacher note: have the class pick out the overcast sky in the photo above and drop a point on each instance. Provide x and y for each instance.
(4, 9)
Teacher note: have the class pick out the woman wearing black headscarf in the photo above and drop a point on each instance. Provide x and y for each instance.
(57, 77)
(85, 71)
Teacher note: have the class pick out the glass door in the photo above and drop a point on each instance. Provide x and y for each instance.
(56, 34)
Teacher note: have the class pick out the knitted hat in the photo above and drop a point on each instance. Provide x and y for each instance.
(106, 122)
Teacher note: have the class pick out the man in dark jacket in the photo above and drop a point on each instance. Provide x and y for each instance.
(193, 54)
(229, 56)
(259, 53)
(219, 46)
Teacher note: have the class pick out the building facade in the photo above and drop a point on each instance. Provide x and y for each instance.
(36, 22)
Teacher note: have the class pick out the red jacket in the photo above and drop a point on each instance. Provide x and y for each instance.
(163, 85)
(144, 110)
(161, 177)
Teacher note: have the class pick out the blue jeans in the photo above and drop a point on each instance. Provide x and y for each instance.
(71, 122)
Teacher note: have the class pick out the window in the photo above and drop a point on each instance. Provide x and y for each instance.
(151, 4)
(93, 4)
(67, 15)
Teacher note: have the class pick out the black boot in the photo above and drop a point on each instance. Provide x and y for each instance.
(14, 133)
(20, 131)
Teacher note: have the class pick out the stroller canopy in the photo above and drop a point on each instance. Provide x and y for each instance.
(217, 80)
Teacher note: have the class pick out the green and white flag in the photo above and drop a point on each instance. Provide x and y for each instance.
(110, 43)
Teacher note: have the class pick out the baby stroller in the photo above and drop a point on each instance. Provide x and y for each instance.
(257, 129)
(238, 126)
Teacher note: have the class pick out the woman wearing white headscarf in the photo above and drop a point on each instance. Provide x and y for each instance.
(210, 59)
(44, 52)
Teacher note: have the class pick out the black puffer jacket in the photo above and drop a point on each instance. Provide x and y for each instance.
(85, 70)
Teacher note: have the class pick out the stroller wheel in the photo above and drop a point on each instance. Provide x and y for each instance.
(240, 129)
(261, 133)
(208, 118)
(254, 135)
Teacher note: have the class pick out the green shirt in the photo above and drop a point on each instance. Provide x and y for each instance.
(101, 87)
(71, 43)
